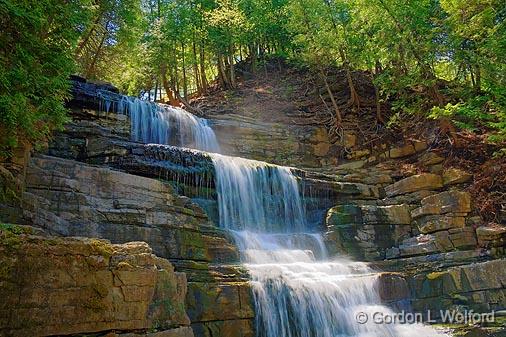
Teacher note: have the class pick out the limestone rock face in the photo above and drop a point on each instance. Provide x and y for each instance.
(68, 198)
(369, 214)
(425, 181)
(72, 199)
(435, 223)
(454, 202)
(480, 287)
(366, 231)
(60, 286)
(491, 236)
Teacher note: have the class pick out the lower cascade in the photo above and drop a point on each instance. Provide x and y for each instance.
(298, 291)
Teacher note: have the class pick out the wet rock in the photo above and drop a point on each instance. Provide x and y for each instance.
(61, 286)
(213, 302)
(425, 181)
(392, 287)
(72, 199)
(455, 176)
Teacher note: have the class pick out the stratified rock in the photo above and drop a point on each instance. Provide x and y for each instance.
(423, 244)
(352, 165)
(177, 332)
(61, 286)
(424, 181)
(479, 286)
(491, 236)
(453, 176)
(407, 150)
(434, 223)
(455, 202)
(72, 199)
(369, 214)
(392, 287)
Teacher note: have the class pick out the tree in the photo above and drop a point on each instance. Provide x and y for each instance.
(37, 41)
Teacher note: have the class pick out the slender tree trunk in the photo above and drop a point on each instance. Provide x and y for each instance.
(156, 89)
(232, 68)
(196, 67)
(332, 98)
(167, 86)
(185, 81)
(354, 98)
(91, 69)
(203, 68)
(477, 77)
(223, 74)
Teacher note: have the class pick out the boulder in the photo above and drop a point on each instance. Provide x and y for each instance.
(424, 181)
(453, 176)
(456, 202)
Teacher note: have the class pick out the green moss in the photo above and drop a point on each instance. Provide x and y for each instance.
(102, 247)
(435, 275)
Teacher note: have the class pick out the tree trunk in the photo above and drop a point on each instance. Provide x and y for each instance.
(185, 82)
(332, 99)
(354, 98)
(203, 77)
(222, 72)
(168, 87)
(196, 67)
(232, 68)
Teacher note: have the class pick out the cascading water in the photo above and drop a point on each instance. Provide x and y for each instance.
(257, 196)
(297, 291)
(163, 124)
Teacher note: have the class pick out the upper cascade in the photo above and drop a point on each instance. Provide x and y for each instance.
(164, 124)
(257, 196)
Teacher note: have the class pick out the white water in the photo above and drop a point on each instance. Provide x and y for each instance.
(257, 196)
(163, 124)
(297, 291)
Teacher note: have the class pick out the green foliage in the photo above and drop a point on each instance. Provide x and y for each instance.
(439, 59)
(36, 41)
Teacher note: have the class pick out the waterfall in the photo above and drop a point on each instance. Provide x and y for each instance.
(163, 124)
(297, 291)
(257, 196)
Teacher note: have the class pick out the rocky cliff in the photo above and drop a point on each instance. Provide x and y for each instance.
(419, 227)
